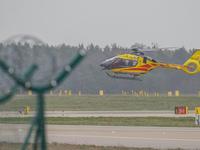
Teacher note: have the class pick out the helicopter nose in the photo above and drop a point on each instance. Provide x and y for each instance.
(102, 64)
(107, 63)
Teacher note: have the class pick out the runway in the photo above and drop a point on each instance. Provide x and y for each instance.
(143, 113)
(154, 137)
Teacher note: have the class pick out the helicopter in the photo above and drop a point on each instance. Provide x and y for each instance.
(137, 63)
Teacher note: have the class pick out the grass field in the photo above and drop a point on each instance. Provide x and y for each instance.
(103, 103)
(57, 146)
(110, 121)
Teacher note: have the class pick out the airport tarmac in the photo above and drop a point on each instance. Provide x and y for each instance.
(143, 113)
(154, 137)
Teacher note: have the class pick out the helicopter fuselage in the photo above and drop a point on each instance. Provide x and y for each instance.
(137, 64)
(130, 64)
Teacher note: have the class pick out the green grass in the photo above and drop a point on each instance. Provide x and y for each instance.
(57, 146)
(103, 103)
(110, 121)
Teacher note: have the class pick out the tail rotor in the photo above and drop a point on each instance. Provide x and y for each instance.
(193, 64)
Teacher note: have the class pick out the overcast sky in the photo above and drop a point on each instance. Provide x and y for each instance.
(103, 22)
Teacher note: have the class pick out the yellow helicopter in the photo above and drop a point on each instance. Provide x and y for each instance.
(136, 64)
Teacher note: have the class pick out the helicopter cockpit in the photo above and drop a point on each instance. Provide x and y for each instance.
(117, 62)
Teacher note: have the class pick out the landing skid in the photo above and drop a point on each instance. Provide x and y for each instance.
(119, 77)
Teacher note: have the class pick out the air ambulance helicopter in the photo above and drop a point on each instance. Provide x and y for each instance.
(137, 63)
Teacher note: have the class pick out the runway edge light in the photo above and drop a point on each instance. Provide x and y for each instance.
(101, 92)
(197, 110)
(169, 93)
(176, 93)
(27, 110)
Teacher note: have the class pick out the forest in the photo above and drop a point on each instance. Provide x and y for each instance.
(88, 77)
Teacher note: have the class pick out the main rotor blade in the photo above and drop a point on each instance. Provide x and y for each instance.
(149, 49)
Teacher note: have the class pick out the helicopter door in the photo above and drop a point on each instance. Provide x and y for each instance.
(145, 60)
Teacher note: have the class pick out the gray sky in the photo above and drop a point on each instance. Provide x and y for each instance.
(103, 22)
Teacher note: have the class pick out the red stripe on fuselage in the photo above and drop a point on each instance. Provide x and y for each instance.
(162, 65)
(140, 69)
(146, 66)
(154, 64)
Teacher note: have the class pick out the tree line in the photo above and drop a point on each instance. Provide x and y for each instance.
(88, 77)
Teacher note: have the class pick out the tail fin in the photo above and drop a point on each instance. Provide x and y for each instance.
(192, 64)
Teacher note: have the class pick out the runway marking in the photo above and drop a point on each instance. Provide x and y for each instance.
(135, 138)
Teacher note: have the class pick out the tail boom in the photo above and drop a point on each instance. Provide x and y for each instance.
(172, 66)
(191, 66)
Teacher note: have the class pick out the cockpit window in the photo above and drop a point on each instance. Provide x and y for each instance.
(116, 62)
(111, 59)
